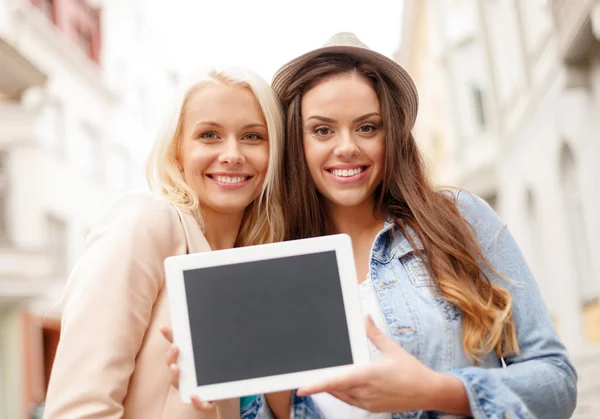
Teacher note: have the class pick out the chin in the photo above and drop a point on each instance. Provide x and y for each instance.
(348, 201)
(224, 207)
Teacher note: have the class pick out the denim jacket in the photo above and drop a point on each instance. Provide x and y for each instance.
(539, 382)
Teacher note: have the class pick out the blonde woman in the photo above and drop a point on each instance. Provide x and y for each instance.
(215, 180)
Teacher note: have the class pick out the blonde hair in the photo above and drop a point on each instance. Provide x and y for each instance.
(263, 218)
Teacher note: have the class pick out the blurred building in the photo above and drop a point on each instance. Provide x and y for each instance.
(434, 129)
(137, 68)
(54, 164)
(83, 92)
(510, 105)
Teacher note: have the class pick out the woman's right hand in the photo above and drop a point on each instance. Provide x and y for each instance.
(171, 359)
(280, 402)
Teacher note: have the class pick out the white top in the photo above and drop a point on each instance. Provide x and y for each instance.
(333, 408)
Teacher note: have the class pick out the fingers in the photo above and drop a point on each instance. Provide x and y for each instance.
(172, 355)
(202, 406)
(171, 359)
(167, 332)
(174, 370)
(345, 397)
(341, 383)
(381, 341)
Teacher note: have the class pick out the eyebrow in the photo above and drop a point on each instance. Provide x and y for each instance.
(216, 124)
(331, 121)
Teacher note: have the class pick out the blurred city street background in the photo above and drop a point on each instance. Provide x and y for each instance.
(509, 110)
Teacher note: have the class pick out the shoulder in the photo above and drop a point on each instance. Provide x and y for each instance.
(137, 215)
(141, 203)
(482, 218)
(144, 207)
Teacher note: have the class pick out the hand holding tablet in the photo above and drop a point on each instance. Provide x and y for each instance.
(266, 318)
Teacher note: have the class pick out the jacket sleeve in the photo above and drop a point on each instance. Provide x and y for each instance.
(540, 381)
(107, 305)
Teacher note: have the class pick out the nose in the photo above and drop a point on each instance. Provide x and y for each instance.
(346, 146)
(231, 154)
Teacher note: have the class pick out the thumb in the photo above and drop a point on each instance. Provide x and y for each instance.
(167, 332)
(381, 341)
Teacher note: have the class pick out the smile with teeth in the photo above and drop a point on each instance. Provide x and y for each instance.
(347, 172)
(229, 179)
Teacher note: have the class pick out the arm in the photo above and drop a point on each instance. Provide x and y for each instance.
(108, 303)
(540, 381)
(280, 403)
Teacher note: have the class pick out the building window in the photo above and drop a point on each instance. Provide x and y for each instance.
(576, 227)
(535, 244)
(92, 157)
(505, 46)
(470, 84)
(479, 105)
(3, 194)
(51, 128)
(57, 243)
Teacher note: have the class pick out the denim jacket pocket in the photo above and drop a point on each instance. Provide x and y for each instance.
(417, 271)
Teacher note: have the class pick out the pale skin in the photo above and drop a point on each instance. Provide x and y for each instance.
(224, 135)
(343, 131)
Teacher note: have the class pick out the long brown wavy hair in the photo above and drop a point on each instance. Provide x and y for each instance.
(451, 252)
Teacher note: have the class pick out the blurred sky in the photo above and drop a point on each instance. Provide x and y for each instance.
(264, 34)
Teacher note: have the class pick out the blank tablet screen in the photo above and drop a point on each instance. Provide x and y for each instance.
(270, 317)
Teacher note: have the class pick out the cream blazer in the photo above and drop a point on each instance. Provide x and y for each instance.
(110, 361)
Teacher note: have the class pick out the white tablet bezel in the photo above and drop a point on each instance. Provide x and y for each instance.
(176, 265)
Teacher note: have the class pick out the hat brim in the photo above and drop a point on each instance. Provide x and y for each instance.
(398, 78)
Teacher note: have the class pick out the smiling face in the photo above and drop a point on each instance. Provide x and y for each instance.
(223, 148)
(343, 139)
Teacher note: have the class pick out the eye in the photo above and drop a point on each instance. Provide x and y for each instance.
(367, 129)
(323, 131)
(210, 135)
(253, 136)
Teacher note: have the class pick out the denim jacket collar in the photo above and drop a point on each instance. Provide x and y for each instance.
(390, 243)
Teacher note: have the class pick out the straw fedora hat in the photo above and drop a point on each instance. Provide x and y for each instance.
(348, 44)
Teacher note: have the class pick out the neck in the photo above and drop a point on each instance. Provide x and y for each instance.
(221, 230)
(355, 221)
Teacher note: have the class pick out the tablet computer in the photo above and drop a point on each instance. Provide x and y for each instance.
(265, 318)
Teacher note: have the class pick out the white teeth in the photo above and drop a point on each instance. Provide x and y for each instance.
(230, 179)
(346, 173)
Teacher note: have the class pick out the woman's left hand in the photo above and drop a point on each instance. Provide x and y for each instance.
(397, 382)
